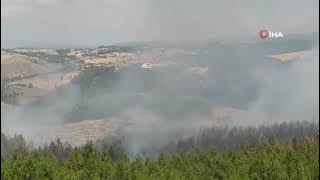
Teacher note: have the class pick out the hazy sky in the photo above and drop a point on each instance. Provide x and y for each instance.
(59, 23)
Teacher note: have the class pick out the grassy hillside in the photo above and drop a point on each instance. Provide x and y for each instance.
(14, 65)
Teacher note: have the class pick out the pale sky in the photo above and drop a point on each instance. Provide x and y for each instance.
(63, 23)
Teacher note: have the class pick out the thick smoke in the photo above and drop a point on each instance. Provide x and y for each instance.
(156, 106)
(38, 122)
(153, 107)
(290, 92)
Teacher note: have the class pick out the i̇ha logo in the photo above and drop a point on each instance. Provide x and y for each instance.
(266, 33)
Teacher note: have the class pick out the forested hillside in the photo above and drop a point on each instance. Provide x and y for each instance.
(216, 153)
(275, 160)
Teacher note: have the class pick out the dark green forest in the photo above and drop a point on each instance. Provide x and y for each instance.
(292, 155)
